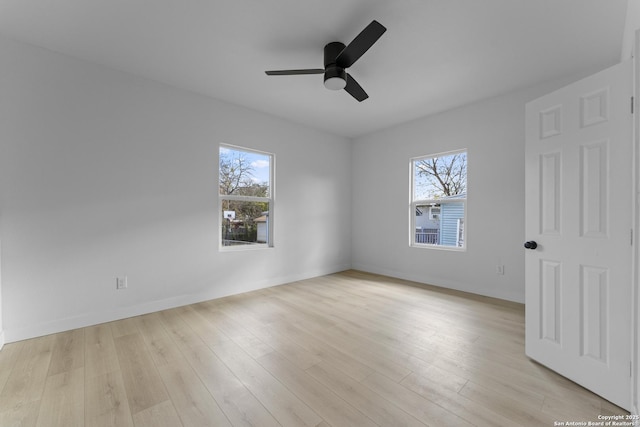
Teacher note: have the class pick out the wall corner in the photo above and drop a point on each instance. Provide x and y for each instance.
(631, 25)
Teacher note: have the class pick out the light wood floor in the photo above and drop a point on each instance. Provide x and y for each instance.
(349, 349)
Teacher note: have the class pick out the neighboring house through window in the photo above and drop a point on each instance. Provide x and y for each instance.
(439, 200)
(246, 197)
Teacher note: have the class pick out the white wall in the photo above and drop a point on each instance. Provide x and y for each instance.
(493, 133)
(104, 174)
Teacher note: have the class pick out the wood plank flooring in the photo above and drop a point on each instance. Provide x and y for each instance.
(348, 349)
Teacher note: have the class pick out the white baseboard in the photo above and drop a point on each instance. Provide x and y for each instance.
(1, 339)
(439, 282)
(90, 319)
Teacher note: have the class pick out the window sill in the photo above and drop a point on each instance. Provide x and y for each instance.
(439, 247)
(242, 248)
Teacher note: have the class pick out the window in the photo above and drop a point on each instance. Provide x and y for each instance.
(439, 200)
(246, 198)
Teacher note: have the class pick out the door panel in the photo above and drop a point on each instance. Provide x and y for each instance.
(578, 166)
(550, 294)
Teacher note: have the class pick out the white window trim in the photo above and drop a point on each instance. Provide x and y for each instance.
(270, 200)
(413, 204)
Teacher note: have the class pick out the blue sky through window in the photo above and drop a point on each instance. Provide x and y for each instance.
(432, 174)
(259, 173)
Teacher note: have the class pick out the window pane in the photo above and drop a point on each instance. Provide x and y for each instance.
(244, 223)
(427, 227)
(244, 173)
(440, 224)
(439, 177)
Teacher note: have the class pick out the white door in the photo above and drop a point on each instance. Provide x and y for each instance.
(578, 167)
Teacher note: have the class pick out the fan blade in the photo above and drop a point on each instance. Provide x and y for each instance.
(360, 44)
(294, 72)
(355, 90)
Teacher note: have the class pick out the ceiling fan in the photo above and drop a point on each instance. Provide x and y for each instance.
(338, 57)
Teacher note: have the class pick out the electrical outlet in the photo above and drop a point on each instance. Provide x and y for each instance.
(121, 282)
(500, 269)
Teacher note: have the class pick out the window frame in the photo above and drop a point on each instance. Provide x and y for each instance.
(270, 199)
(415, 203)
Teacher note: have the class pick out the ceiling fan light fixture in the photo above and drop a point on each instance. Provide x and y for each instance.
(335, 78)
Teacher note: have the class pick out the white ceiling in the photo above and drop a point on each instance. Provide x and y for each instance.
(435, 55)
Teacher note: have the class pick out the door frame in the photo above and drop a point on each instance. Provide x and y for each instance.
(635, 311)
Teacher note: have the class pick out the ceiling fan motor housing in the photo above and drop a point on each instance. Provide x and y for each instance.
(335, 77)
(331, 52)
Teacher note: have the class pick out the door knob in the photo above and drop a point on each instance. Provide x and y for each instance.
(530, 244)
